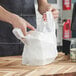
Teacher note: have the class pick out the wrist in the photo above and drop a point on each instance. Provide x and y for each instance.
(13, 18)
(42, 2)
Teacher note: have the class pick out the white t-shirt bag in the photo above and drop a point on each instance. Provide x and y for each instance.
(40, 46)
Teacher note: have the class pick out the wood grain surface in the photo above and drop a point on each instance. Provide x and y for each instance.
(11, 66)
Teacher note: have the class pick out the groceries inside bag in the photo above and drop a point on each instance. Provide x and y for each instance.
(40, 46)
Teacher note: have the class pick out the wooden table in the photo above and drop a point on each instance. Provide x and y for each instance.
(11, 66)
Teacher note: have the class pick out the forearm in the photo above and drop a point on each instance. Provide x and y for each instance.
(5, 15)
(15, 20)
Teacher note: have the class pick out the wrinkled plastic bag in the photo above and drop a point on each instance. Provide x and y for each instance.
(40, 45)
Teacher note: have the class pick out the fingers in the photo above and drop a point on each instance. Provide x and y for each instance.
(24, 30)
(42, 10)
(30, 27)
(55, 13)
(25, 26)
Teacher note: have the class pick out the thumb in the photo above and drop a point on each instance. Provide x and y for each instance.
(30, 27)
(23, 29)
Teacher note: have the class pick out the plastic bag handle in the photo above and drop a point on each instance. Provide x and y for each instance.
(48, 23)
(19, 34)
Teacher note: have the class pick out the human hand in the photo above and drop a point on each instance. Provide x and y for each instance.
(18, 22)
(43, 8)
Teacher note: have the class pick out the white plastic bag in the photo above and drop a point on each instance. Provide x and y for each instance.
(40, 46)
